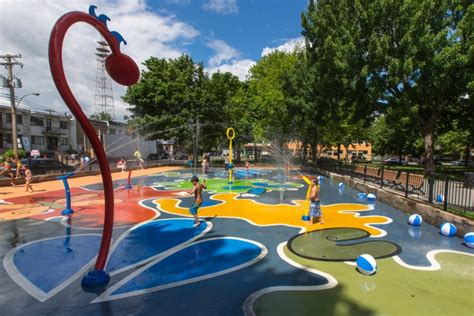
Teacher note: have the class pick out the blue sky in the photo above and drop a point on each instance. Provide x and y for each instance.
(226, 35)
(251, 26)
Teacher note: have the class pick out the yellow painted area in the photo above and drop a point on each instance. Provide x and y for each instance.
(335, 215)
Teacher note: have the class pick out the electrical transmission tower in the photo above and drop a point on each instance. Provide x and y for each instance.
(104, 98)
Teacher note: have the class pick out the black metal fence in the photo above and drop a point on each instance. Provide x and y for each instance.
(447, 191)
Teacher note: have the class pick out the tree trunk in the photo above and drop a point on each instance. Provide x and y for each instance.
(304, 154)
(399, 158)
(314, 151)
(428, 136)
(338, 151)
(347, 150)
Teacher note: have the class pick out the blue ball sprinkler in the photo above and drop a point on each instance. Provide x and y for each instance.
(68, 210)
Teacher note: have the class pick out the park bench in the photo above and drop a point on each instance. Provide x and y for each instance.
(359, 169)
(390, 177)
(373, 174)
(415, 181)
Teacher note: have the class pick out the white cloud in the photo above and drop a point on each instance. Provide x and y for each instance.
(227, 59)
(221, 6)
(27, 32)
(239, 68)
(223, 52)
(287, 46)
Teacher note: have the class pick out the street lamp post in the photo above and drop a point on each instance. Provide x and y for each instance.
(14, 132)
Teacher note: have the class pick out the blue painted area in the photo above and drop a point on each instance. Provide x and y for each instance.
(257, 191)
(210, 203)
(272, 186)
(151, 239)
(197, 260)
(236, 187)
(48, 263)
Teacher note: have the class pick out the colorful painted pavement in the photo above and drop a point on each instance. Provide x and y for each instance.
(252, 254)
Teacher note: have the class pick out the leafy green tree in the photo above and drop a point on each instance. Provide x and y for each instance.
(335, 42)
(395, 133)
(272, 115)
(219, 93)
(102, 116)
(419, 54)
(170, 99)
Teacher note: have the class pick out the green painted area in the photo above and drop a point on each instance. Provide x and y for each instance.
(324, 245)
(220, 185)
(393, 290)
(170, 185)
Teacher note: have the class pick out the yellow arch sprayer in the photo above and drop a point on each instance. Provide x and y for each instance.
(230, 133)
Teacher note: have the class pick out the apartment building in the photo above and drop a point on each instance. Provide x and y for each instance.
(363, 149)
(48, 132)
(117, 138)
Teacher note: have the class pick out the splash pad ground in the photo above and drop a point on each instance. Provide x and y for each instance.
(251, 255)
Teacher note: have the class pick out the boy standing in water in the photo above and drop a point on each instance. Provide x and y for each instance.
(315, 207)
(197, 191)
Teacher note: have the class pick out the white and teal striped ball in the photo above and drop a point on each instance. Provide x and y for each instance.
(448, 230)
(469, 240)
(440, 198)
(341, 185)
(320, 178)
(415, 220)
(366, 264)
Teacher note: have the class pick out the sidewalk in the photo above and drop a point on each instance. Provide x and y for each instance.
(19, 190)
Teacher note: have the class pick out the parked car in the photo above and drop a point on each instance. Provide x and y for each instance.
(470, 163)
(393, 161)
(359, 159)
(46, 165)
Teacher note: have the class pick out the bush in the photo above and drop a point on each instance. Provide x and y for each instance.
(9, 153)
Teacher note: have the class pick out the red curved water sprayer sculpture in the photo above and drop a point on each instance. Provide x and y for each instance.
(123, 70)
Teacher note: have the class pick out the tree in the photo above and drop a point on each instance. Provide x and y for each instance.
(169, 99)
(273, 116)
(420, 52)
(219, 93)
(395, 133)
(101, 116)
(337, 50)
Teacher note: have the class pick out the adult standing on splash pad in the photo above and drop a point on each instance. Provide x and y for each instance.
(197, 191)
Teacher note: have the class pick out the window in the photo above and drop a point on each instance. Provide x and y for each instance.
(112, 131)
(365, 152)
(63, 124)
(63, 141)
(37, 140)
(1, 140)
(19, 118)
(37, 121)
(8, 138)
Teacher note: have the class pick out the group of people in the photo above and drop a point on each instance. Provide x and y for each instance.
(12, 168)
(315, 212)
(122, 162)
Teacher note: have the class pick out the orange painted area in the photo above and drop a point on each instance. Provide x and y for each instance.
(48, 186)
(88, 206)
(335, 215)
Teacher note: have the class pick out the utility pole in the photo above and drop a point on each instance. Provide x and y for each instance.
(196, 144)
(9, 62)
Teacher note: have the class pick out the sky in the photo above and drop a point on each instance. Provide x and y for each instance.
(225, 35)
